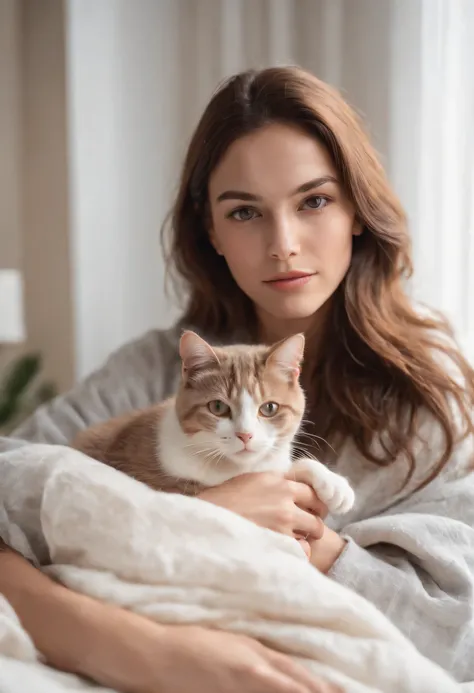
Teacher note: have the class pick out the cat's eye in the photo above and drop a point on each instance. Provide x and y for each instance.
(218, 408)
(269, 409)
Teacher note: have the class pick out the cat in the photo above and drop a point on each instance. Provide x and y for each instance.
(237, 410)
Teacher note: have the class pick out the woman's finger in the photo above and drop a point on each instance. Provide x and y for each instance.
(304, 543)
(308, 525)
(306, 498)
(296, 672)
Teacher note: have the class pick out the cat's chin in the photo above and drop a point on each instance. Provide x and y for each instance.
(261, 461)
(246, 460)
(235, 464)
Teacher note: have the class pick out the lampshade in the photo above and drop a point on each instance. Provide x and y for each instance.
(12, 325)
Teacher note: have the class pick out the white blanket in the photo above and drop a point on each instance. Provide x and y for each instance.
(182, 560)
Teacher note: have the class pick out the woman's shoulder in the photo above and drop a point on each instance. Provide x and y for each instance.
(151, 350)
(156, 349)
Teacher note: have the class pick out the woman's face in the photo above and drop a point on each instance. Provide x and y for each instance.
(282, 222)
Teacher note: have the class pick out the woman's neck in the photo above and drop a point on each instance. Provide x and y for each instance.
(271, 329)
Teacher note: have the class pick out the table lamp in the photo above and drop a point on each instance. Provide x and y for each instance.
(12, 324)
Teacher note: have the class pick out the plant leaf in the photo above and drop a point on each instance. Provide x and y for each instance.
(20, 375)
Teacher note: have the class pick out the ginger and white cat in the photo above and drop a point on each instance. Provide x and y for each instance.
(237, 410)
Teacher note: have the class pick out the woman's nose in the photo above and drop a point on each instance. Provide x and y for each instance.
(284, 242)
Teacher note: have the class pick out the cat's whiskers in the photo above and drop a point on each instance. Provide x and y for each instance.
(310, 423)
(303, 448)
(302, 432)
(310, 444)
(303, 455)
(191, 445)
(308, 440)
(200, 449)
(306, 422)
(315, 438)
(211, 454)
(212, 457)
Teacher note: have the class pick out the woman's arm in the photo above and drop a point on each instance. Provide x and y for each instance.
(130, 653)
(72, 631)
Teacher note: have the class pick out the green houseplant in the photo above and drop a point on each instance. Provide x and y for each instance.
(22, 391)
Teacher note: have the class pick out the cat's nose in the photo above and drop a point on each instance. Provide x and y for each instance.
(244, 437)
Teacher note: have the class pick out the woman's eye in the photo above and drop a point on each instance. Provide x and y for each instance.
(218, 408)
(269, 409)
(315, 202)
(243, 214)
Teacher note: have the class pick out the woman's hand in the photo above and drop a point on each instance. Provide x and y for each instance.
(273, 501)
(207, 661)
(286, 505)
(145, 657)
(324, 551)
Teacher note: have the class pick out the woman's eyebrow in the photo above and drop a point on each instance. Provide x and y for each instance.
(249, 197)
(315, 183)
(238, 195)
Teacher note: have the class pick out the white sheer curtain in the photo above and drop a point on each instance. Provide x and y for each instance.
(444, 230)
(145, 70)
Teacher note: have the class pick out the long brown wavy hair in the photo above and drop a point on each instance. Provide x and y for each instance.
(382, 362)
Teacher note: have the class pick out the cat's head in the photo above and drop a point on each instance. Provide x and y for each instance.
(240, 403)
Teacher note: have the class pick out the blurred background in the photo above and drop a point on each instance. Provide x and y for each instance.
(97, 102)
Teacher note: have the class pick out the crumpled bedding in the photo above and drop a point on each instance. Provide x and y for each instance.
(182, 560)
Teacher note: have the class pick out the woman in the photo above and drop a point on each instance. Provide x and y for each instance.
(284, 222)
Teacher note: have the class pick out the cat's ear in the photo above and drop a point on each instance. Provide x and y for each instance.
(287, 355)
(195, 352)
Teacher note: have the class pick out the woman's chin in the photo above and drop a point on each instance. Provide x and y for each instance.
(295, 307)
(302, 310)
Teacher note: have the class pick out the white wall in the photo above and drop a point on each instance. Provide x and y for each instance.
(10, 134)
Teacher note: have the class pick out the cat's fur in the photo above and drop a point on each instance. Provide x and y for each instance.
(184, 444)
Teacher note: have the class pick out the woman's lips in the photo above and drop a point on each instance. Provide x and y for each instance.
(289, 283)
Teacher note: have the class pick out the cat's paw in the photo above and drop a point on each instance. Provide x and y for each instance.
(336, 493)
(334, 490)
